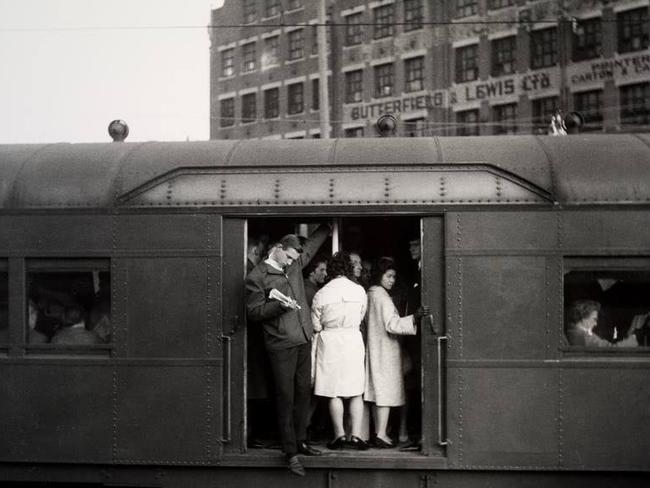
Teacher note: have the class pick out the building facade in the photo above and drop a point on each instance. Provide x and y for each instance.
(441, 67)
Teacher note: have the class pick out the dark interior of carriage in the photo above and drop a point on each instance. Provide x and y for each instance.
(370, 238)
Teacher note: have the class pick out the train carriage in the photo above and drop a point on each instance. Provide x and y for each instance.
(149, 240)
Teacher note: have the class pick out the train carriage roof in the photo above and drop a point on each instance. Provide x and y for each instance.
(571, 170)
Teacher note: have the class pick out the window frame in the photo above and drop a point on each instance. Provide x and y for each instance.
(249, 57)
(503, 56)
(384, 76)
(413, 15)
(272, 103)
(228, 62)
(272, 8)
(354, 29)
(249, 11)
(544, 48)
(504, 124)
(248, 109)
(636, 20)
(634, 115)
(591, 115)
(587, 42)
(541, 114)
(462, 117)
(353, 86)
(296, 44)
(383, 21)
(295, 98)
(465, 8)
(414, 74)
(272, 46)
(226, 120)
(466, 61)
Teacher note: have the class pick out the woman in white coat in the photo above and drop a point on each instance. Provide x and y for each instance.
(384, 377)
(336, 313)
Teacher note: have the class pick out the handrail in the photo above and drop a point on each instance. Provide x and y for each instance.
(441, 441)
(227, 437)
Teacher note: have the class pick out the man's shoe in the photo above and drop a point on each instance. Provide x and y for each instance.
(338, 443)
(382, 444)
(307, 450)
(358, 444)
(295, 466)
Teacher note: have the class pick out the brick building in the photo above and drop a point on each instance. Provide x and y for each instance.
(441, 67)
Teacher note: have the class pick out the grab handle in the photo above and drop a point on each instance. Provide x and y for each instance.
(441, 440)
(227, 341)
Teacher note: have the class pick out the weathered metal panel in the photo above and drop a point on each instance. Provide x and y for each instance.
(164, 414)
(56, 233)
(56, 412)
(605, 415)
(156, 232)
(503, 418)
(595, 231)
(504, 308)
(501, 231)
(166, 308)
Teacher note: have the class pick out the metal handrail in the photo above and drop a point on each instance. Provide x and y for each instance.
(227, 341)
(441, 440)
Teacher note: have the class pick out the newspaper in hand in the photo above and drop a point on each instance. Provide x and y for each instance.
(281, 297)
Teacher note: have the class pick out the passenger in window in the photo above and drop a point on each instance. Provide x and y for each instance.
(276, 302)
(34, 335)
(337, 311)
(316, 273)
(384, 376)
(74, 331)
(255, 252)
(583, 318)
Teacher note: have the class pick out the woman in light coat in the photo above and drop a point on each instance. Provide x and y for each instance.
(384, 377)
(336, 313)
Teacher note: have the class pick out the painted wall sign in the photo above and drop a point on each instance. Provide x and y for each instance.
(621, 68)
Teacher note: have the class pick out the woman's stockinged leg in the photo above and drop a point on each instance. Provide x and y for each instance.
(336, 414)
(356, 416)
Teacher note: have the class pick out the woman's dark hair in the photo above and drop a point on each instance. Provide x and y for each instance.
(379, 269)
(339, 265)
(581, 309)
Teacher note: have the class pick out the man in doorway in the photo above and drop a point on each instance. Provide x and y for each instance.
(276, 302)
(316, 273)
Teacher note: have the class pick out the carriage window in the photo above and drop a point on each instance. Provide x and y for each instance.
(607, 303)
(4, 303)
(68, 302)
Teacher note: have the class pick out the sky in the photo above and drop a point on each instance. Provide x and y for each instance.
(70, 67)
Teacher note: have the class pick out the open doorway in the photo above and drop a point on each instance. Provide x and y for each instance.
(367, 239)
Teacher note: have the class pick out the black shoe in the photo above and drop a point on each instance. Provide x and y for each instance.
(358, 444)
(412, 446)
(306, 450)
(382, 444)
(295, 466)
(338, 443)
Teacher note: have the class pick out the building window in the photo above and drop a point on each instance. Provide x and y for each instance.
(272, 8)
(383, 21)
(414, 72)
(294, 4)
(314, 44)
(416, 127)
(227, 62)
(587, 39)
(227, 112)
(249, 10)
(353, 29)
(413, 15)
(503, 56)
(4, 303)
(384, 80)
(635, 104)
(465, 8)
(248, 57)
(69, 301)
(543, 48)
(605, 302)
(248, 108)
(466, 63)
(271, 103)
(296, 45)
(505, 118)
(353, 86)
(296, 98)
(589, 105)
(633, 30)
(543, 110)
(497, 4)
(354, 132)
(467, 123)
(271, 55)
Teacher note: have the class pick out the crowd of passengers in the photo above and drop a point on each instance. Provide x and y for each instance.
(68, 311)
(333, 332)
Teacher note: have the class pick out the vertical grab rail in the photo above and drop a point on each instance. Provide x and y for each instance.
(227, 341)
(441, 441)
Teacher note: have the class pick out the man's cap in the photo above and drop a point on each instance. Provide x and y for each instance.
(291, 240)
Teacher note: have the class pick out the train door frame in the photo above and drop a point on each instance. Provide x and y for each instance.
(234, 337)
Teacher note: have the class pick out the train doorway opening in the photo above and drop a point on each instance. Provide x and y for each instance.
(418, 261)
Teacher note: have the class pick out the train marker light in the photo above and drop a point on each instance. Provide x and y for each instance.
(118, 130)
(386, 125)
